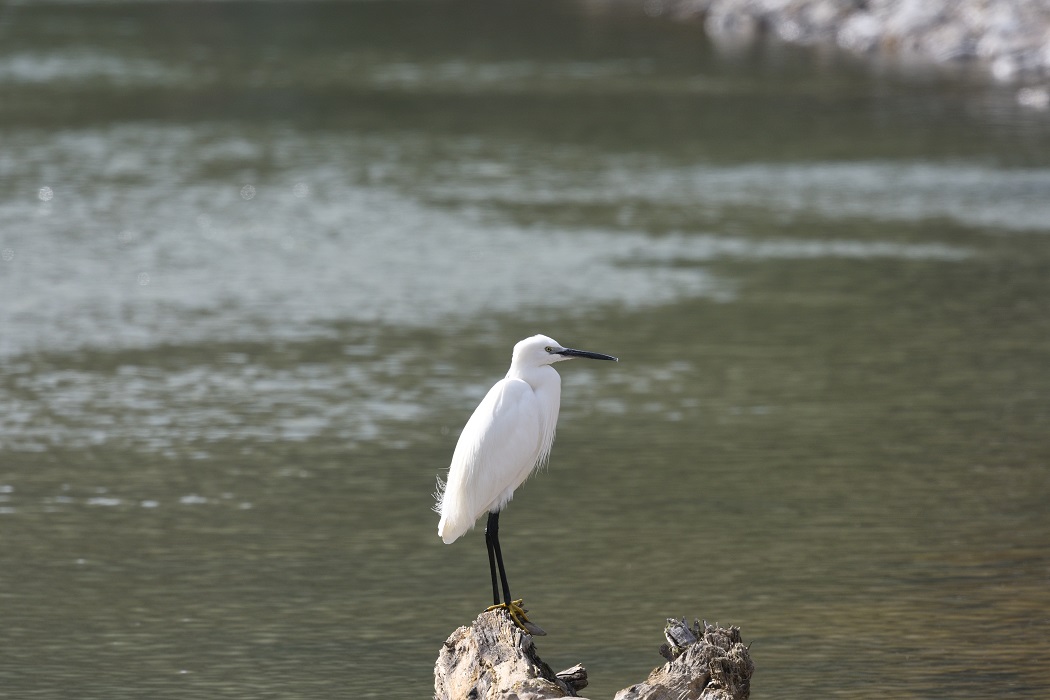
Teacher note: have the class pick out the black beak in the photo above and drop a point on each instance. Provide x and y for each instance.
(569, 352)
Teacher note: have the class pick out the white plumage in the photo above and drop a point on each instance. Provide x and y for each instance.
(507, 437)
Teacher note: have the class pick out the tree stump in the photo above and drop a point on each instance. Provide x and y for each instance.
(494, 660)
(705, 662)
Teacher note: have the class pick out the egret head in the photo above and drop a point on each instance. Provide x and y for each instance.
(542, 350)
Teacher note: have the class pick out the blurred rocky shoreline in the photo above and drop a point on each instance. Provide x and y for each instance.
(1010, 38)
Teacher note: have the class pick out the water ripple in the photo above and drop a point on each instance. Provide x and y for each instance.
(156, 245)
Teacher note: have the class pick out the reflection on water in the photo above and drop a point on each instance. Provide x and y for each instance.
(971, 195)
(173, 247)
(73, 67)
(160, 410)
(259, 261)
(173, 252)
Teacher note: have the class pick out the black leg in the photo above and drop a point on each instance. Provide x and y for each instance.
(491, 530)
(517, 614)
(493, 526)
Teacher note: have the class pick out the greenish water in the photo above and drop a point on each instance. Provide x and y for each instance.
(261, 260)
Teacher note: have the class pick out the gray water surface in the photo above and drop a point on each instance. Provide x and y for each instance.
(259, 261)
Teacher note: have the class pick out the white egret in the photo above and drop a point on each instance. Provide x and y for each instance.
(507, 437)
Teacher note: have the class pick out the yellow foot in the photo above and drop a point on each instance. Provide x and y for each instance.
(518, 617)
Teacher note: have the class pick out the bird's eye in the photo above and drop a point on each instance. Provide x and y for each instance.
(549, 349)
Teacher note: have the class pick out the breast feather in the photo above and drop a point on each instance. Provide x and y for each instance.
(497, 450)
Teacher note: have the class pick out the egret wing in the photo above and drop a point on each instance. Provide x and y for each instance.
(498, 448)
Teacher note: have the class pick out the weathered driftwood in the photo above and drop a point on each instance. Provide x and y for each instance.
(494, 660)
(705, 662)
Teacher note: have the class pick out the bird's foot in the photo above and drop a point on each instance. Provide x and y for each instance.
(517, 615)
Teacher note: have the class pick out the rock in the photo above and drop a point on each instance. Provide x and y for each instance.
(494, 660)
(1012, 39)
(861, 33)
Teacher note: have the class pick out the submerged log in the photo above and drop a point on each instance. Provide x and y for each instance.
(493, 659)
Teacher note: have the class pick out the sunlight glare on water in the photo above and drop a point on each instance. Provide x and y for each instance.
(224, 261)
